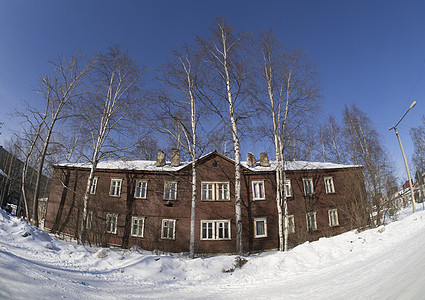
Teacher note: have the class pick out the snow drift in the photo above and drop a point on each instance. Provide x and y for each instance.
(381, 263)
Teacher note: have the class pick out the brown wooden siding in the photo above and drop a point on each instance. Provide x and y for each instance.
(64, 208)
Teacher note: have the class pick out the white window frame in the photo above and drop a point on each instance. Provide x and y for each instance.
(170, 193)
(288, 188)
(310, 180)
(256, 221)
(170, 232)
(115, 188)
(211, 191)
(333, 217)
(111, 223)
(256, 190)
(139, 224)
(216, 230)
(291, 229)
(143, 187)
(308, 216)
(329, 185)
(94, 185)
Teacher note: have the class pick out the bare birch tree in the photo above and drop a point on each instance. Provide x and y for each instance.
(227, 80)
(364, 147)
(417, 135)
(179, 103)
(114, 100)
(34, 121)
(333, 140)
(290, 83)
(58, 90)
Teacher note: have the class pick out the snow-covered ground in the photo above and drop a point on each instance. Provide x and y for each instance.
(382, 263)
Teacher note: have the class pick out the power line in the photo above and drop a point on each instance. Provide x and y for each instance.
(417, 80)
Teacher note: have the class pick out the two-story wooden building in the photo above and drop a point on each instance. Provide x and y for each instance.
(145, 204)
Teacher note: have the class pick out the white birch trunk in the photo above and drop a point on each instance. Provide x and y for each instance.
(193, 154)
(238, 208)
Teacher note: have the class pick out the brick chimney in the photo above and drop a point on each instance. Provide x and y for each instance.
(160, 161)
(264, 159)
(175, 158)
(250, 160)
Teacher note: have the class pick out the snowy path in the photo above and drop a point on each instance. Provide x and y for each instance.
(383, 263)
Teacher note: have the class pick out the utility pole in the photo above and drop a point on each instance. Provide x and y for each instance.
(404, 156)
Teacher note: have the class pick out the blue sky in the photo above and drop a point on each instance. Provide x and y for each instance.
(368, 52)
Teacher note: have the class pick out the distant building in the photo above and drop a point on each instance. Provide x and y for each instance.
(10, 184)
(140, 203)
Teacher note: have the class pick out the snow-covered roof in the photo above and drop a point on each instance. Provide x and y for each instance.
(147, 165)
(135, 165)
(299, 165)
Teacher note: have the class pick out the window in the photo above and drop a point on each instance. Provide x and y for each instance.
(329, 185)
(311, 221)
(260, 227)
(168, 230)
(89, 219)
(333, 217)
(288, 189)
(111, 223)
(308, 186)
(141, 188)
(137, 226)
(115, 187)
(93, 186)
(215, 230)
(258, 190)
(291, 224)
(215, 191)
(170, 190)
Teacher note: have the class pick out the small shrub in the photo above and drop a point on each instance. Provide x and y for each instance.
(239, 262)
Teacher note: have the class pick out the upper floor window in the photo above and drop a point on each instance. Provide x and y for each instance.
(170, 190)
(93, 186)
(168, 230)
(137, 226)
(308, 186)
(215, 230)
(111, 223)
(333, 217)
(141, 189)
(288, 189)
(260, 227)
(311, 221)
(329, 185)
(215, 191)
(115, 187)
(258, 190)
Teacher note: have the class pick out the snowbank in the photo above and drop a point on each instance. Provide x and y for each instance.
(382, 263)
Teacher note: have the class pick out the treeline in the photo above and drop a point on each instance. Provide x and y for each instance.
(228, 88)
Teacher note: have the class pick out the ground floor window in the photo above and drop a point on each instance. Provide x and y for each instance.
(89, 219)
(291, 224)
(311, 221)
(137, 226)
(111, 223)
(333, 217)
(168, 230)
(215, 230)
(260, 227)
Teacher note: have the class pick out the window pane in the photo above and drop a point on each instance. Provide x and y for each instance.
(204, 230)
(226, 230)
(220, 230)
(260, 230)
